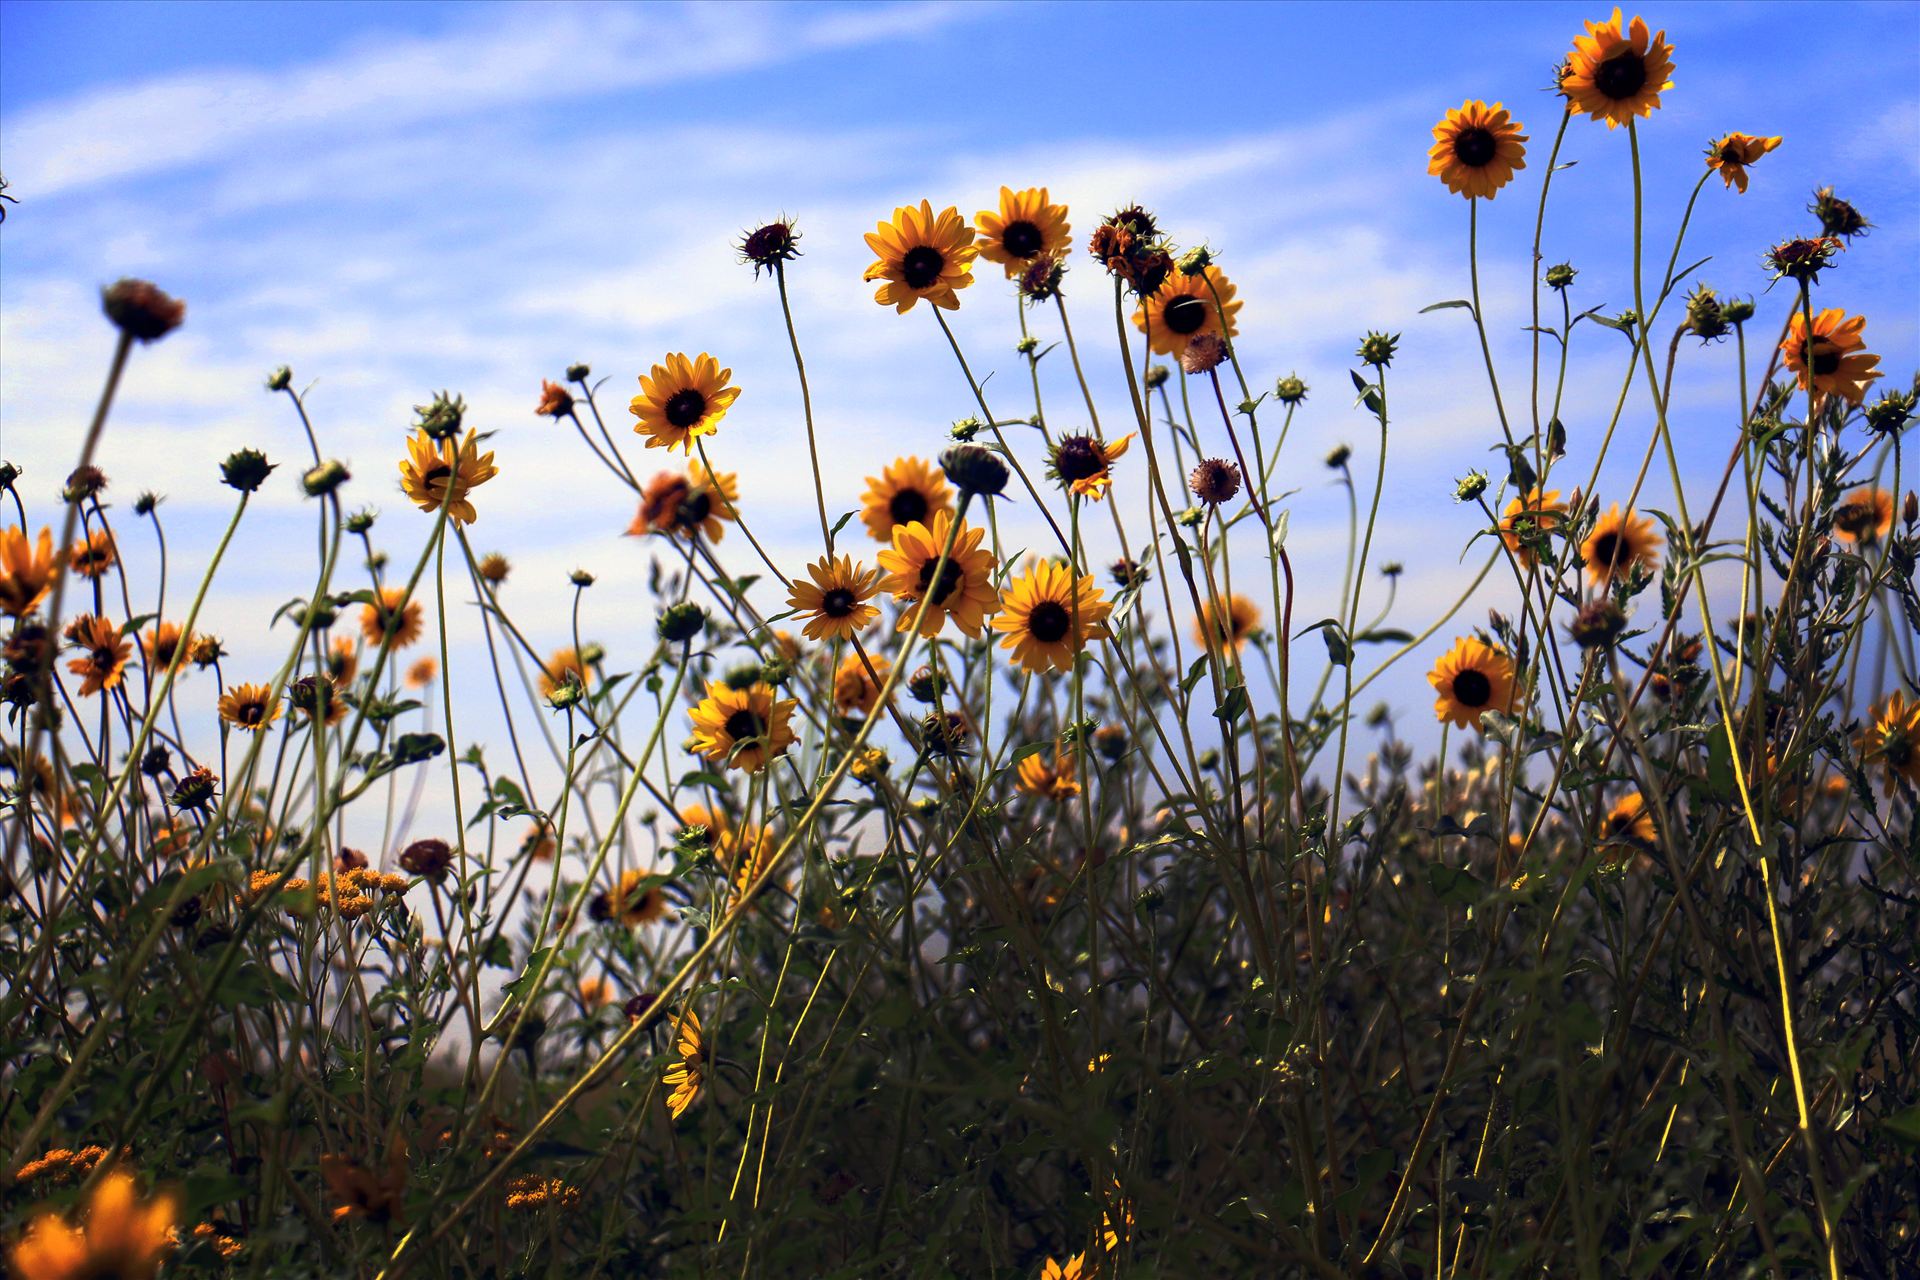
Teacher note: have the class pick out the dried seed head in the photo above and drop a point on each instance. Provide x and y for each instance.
(766, 247)
(1599, 623)
(1837, 217)
(1214, 481)
(429, 858)
(141, 310)
(1205, 352)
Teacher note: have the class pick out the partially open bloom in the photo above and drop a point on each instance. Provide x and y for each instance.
(422, 673)
(1471, 678)
(695, 503)
(1536, 512)
(316, 698)
(394, 616)
(908, 489)
(1731, 155)
(682, 400)
(1083, 464)
(93, 555)
(631, 901)
(163, 644)
(920, 255)
(1046, 780)
(1616, 73)
(854, 687)
(685, 1078)
(104, 654)
(1840, 363)
(563, 668)
(1024, 228)
(555, 400)
(360, 1192)
(1183, 307)
(1048, 615)
(124, 1238)
(1618, 543)
(742, 728)
(1074, 1268)
(251, 707)
(1629, 820)
(1864, 515)
(835, 601)
(26, 571)
(1476, 149)
(965, 589)
(1893, 740)
(343, 660)
(1226, 623)
(441, 471)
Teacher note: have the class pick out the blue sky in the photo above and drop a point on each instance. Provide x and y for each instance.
(398, 198)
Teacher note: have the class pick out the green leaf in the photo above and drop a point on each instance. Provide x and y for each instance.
(1234, 705)
(1452, 885)
(1442, 306)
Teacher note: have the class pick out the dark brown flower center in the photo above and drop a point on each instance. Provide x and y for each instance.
(1622, 76)
(694, 509)
(922, 266)
(1898, 750)
(1474, 147)
(1049, 621)
(685, 408)
(1609, 550)
(837, 603)
(950, 577)
(907, 506)
(253, 713)
(1079, 458)
(1184, 315)
(1857, 518)
(1826, 358)
(743, 725)
(1472, 689)
(1730, 154)
(438, 473)
(1021, 239)
(106, 657)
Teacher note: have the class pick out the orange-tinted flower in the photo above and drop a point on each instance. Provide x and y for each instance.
(1476, 149)
(919, 254)
(1731, 155)
(854, 688)
(103, 657)
(1616, 73)
(1471, 678)
(391, 617)
(124, 1238)
(1228, 623)
(26, 571)
(681, 400)
(93, 555)
(1864, 515)
(1841, 365)
(1183, 307)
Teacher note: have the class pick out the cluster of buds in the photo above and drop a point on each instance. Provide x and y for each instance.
(1129, 245)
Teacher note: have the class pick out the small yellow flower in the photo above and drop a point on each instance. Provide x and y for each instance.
(1024, 228)
(965, 589)
(250, 707)
(685, 1078)
(684, 505)
(26, 571)
(1184, 307)
(919, 254)
(854, 688)
(564, 667)
(93, 555)
(105, 654)
(393, 616)
(1840, 363)
(1616, 73)
(124, 1238)
(682, 400)
(835, 601)
(1048, 615)
(1083, 464)
(1055, 781)
(742, 728)
(1471, 678)
(1231, 622)
(439, 471)
(1732, 154)
(907, 490)
(1893, 740)
(1476, 149)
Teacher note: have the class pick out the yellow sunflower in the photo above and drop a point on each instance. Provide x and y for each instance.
(1864, 515)
(26, 572)
(1476, 149)
(742, 728)
(908, 489)
(1083, 464)
(1893, 740)
(921, 255)
(1841, 364)
(1025, 228)
(681, 400)
(685, 1078)
(1537, 511)
(1629, 820)
(694, 503)
(163, 644)
(1048, 781)
(124, 1237)
(1048, 615)
(315, 697)
(105, 658)
(1074, 1268)
(394, 615)
(1616, 73)
(746, 853)
(1183, 307)
(1618, 543)
(835, 602)
(965, 589)
(564, 667)
(854, 688)
(1472, 677)
(1733, 153)
(251, 707)
(343, 660)
(629, 903)
(437, 471)
(1226, 623)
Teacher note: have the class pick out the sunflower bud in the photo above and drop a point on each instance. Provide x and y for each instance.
(1737, 310)
(1110, 740)
(578, 373)
(1290, 390)
(1598, 624)
(580, 578)
(1214, 481)
(1377, 349)
(156, 762)
(280, 379)
(1042, 278)
(141, 310)
(1470, 487)
(974, 469)
(206, 651)
(1560, 275)
(636, 1008)
(84, 483)
(429, 858)
(1910, 509)
(1889, 414)
(1127, 572)
(965, 429)
(943, 735)
(1837, 217)
(195, 791)
(555, 402)
(1195, 261)
(768, 246)
(568, 693)
(362, 520)
(442, 418)
(1705, 316)
(926, 684)
(146, 502)
(325, 478)
(1190, 518)
(1027, 346)
(1338, 455)
(680, 623)
(9, 473)
(246, 470)
(1157, 375)
(1803, 259)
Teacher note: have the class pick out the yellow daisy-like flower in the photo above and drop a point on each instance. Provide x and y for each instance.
(685, 1078)
(746, 853)
(1537, 511)
(1733, 153)
(26, 571)
(690, 504)
(1476, 149)
(1054, 781)
(1471, 678)
(1619, 542)
(343, 660)
(1183, 308)
(1084, 463)
(422, 673)
(628, 902)
(742, 728)
(1074, 1268)
(124, 1238)
(564, 667)
(104, 659)
(251, 707)
(921, 255)
(93, 555)
(393, 616)
(1048, 616)
(164, 643)
(1026, 227)
(439, 471)
(1840, 363)
(909, 489)
(854, 689)
(681, 400)
(1629, 820)
(316, 698)
(1224, 623)
(1893, 740)
(835, 601)
(965, 589)
(1616, 73)
(1864, 515)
